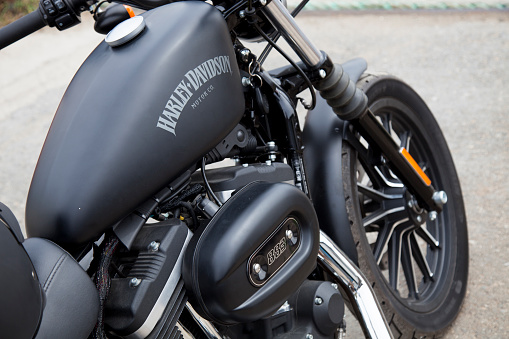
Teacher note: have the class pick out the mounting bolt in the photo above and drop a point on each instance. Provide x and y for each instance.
(419, 218)
(322, 73)
(318, 301)
(242, 14)
(334, 286)
(134, 282)
(154, 246)
(257, 268)
(244, 55)
(246, 81)
(289, 234)
(263, 2)
(433, 215)
(440, 198)
(309, 336)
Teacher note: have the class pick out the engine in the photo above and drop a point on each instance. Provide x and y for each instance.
(239, 265)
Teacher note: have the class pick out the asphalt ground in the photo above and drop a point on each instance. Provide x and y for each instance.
(458, 61)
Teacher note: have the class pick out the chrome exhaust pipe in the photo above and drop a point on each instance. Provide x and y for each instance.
(356, 287)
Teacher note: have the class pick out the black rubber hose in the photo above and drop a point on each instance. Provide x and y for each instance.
(20, 28)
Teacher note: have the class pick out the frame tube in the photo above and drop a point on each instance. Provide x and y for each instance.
(356, 287)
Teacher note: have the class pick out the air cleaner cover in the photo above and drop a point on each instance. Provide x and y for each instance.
(255, 252)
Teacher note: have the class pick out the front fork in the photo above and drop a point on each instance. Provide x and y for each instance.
(351, 104)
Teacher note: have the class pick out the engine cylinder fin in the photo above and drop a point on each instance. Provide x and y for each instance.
(166, 326)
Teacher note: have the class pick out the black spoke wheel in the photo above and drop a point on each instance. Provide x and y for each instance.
(416, 261)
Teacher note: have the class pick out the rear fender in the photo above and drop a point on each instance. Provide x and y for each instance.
(323, 138)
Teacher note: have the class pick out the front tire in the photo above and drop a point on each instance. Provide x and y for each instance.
(417, 263)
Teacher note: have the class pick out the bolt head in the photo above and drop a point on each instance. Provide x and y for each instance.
(419, 218)
(245, 53)
(433, 215)
(289, 234)
(154, 246)
(246, 81)
(134, 282)
(322, 73)
(334, 286)
(318, 301)
(242, 14)
(309, 336)
(263, 2)
(440, 198)
(257, 268)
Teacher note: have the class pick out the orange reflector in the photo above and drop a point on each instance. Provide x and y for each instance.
(129, 10)
(416, 167)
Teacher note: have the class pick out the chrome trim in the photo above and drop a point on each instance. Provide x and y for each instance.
(160, 305)
(280, 18)
(186, 334)
(125, 31)
(356, 287)
(283, 309)
(208, 328)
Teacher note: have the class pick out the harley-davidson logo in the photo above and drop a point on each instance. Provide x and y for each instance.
(187, 87)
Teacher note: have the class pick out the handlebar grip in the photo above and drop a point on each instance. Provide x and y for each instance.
(20, 28)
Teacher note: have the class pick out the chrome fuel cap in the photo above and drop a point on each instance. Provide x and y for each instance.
(125, 31)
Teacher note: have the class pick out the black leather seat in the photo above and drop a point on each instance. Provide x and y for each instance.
(47, 293)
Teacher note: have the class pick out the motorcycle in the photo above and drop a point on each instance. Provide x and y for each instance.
(131, 236)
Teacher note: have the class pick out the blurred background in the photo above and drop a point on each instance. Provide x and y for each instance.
(455, 54)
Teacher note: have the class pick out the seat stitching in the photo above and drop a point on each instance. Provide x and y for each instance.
(54, 272)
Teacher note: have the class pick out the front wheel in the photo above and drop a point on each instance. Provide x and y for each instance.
(417, 262)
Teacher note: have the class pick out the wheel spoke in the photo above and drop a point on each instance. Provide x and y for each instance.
(423, 165)
(394, 259)
(377, 195)
(408, 267)
(379, 214)
(383, 178)
(370, 207)
(383, 238)
(427, 237)
(420, 259)
(405, 139)
(364, 155)
(387, 122)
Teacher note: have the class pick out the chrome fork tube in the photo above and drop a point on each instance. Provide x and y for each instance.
(280, 18)
(355, 285)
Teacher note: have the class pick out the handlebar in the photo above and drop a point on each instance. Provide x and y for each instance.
(20, 28)
(61, 14)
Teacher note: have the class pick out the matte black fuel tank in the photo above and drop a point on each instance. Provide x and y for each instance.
(134, 118)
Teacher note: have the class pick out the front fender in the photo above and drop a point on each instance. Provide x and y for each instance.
(323, 137)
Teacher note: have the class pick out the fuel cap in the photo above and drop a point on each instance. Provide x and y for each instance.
(125, 31)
